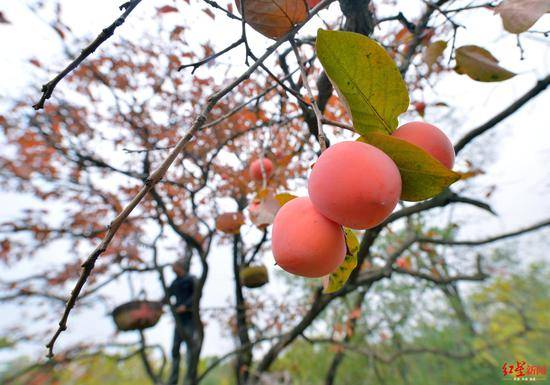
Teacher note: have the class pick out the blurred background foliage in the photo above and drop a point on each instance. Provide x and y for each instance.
(409, 333)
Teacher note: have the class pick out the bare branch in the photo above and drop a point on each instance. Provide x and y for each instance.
(442, 280)
(401, 18)
(48, 88)
(421, 27)
(445, 198)
(338, 124)
(350, 331)
(480, 242)
(213, 4)
(211, 57)
(224, 357)
(31, 293)
(537, 89)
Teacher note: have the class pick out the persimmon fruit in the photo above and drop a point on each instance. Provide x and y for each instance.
(430, 138)
(230, 223)
(355, 184)
(306, 243)
(255, 169)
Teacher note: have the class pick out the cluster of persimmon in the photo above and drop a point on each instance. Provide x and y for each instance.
(353, 184)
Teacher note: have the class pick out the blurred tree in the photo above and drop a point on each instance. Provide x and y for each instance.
(511, 317)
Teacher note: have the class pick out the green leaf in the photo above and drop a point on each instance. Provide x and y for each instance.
(422, 175)
(479, 64)
(366, 78)
(339, 277)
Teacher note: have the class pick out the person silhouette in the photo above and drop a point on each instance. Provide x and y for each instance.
(182, 288)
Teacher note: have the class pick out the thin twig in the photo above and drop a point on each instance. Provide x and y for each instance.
(421, 27)
(318, 113)
(48, 88)
(211, 57)
(485, 241)
(401, 18)
(213, 4)
(471, 135)
(338, 124)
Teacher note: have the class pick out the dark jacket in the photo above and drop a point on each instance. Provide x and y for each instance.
(183, 288)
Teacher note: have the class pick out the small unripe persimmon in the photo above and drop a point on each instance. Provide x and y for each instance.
(306, 243)
(429, 138)
(255, 169)
(355, 184)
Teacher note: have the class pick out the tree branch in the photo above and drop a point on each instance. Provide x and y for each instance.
(48, 88)
(537, 89)
(480, 242)
(421, 26)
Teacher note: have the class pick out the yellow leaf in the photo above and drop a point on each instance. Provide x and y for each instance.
(433, 52)
(338, 278)
(480, 65)
(284, 198)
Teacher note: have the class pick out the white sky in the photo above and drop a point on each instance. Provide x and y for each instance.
(518, 163)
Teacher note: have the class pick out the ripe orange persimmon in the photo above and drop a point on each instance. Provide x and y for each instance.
(430, 138)
(355, 184)
(306, 243)
(255, 169)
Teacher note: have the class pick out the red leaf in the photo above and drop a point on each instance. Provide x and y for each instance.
(209, 13)
(35, 62)
(273, 18)
(166, 9)
(59, 31)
